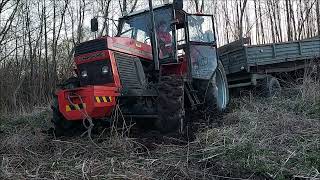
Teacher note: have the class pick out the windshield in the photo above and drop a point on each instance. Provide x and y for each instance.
(136, 28)
(139, 27)
(200, 28)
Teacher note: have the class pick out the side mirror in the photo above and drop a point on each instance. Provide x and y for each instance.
(94, 25)
(178, 4)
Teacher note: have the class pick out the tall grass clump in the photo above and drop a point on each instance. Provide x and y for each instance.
(278, 137)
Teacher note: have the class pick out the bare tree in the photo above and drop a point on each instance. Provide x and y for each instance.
(304, 17)
(318, 15)
(242, 8)
(124, 6)
(8, 23)
(199, 5)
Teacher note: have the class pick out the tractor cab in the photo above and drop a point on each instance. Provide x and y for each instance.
(179, 38)
(138, 26)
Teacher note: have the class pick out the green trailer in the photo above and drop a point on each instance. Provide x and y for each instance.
(260, 65)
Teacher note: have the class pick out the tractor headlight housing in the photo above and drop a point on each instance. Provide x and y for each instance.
(84, 74)
(105, 70)
(95, 73)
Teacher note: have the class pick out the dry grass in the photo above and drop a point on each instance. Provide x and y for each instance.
(277, 137)
(28, 153)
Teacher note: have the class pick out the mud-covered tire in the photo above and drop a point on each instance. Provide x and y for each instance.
(270, 86)
(217, 91)
(222, 96)
(62, 127)
(170, 105)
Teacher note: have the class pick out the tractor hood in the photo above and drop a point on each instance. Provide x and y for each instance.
(120, 44)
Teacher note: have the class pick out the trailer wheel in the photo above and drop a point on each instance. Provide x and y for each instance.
(170, 105)
(270, 86)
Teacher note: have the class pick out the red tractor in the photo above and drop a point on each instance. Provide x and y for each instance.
(162, 63)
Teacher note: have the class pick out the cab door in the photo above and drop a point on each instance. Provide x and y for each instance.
(165, 30)
(202, 47)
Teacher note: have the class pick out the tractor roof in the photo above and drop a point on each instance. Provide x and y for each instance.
(146, 10)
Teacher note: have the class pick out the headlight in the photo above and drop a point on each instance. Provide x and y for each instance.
(84, 74)
(105, 70)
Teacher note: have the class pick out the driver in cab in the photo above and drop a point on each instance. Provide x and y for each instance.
(164, 39)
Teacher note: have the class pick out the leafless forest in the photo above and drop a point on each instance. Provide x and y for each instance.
(37, 37)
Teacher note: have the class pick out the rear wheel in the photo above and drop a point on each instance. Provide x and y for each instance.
(217, 95)
(170, 104)
(222, 90)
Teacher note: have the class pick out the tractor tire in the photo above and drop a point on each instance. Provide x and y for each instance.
(170, 105)
(270, 86)
(217, 91)
(63, 127)
(222, 96)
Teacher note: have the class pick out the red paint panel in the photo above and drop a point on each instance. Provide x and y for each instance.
(130, 46)
(88, 95)
(116, 76)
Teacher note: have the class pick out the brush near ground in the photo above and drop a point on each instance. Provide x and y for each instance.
(259, 138)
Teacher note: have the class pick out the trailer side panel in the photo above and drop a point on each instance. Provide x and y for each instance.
(283, 52)
(234, 61)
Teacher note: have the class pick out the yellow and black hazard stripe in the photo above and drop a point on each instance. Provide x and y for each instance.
(103, 99)
(75, 107)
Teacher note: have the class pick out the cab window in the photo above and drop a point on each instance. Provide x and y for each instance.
(143, 37)
(200, 29)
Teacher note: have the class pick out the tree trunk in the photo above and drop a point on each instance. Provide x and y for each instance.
(261, 24)
(293, 20)
(279, 21)
(257, 22)
(45, 42)
(289, 31)
(271, 22)
(243, 8)
(55, 78)
(318, 15)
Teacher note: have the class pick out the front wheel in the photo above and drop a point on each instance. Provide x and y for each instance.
(62, 127)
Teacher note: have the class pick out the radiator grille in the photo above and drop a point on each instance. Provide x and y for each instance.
(90, 46)
(130, 71)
